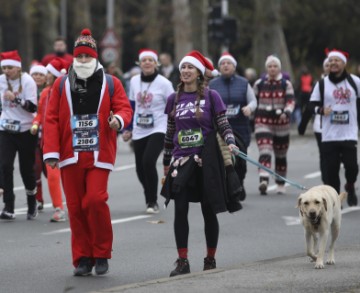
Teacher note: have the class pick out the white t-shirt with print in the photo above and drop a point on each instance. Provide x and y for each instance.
(149, 114)
(342, 123)
(13, 111)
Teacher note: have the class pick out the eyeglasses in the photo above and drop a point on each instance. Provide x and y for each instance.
(7, 67)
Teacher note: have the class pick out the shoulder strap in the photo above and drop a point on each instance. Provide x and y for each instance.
(321, 89)
(62, 82)
(110, 83)
(283, 84)
(352, 83)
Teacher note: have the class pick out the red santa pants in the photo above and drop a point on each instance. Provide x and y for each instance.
(85, 188)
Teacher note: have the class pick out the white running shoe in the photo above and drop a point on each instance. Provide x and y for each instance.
(280, 189)
(58, 216)
(152, 208)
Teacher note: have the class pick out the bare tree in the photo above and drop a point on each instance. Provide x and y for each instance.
(182, 28)
(269, 36)
(152, 30)
(81, 12)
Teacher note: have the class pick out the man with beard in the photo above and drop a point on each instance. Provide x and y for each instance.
(335, 99)
(84, 112)
(60, 50)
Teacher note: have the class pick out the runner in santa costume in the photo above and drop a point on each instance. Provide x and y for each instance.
(82, 117)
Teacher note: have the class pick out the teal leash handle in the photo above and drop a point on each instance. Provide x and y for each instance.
(245, 157)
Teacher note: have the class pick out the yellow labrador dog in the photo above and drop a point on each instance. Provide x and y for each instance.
(320, 213)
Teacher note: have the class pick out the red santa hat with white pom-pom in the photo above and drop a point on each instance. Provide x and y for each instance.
(200, 62)
(10, 58)
(58, 67)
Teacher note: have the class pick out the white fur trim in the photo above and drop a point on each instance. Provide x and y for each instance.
(215, 72)
(10, 62)
(121, 121)
(51, 156)
(149, 54)
(227, 57)
(338, 54)
(272, 58)
(38, 69)
(52, 70)
(192, 60)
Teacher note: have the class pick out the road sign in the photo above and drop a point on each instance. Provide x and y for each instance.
(110, 39)
(109, 54)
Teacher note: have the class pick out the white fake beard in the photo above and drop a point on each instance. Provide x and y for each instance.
(84, 70)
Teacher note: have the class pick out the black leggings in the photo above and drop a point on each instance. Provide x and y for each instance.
(334, 153)
(181, 224)
(24, 144)
(147, 151)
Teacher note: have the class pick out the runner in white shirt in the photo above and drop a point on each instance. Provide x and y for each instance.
(18, 93)
(148, 93)
(339, 123)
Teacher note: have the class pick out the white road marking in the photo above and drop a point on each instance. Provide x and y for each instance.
(118, 221)
(125, 167)
(313, 175)
(291, 221)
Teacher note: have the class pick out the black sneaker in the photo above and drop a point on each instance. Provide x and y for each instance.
(152, 208)
(40, 206)
(101, 266)
(209, 263)
(32, 210)
(351, 197)
(242, 193)
(5, 215)
(84, 268)
(182, 267)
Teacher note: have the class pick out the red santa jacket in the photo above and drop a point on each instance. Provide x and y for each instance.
(58, 136)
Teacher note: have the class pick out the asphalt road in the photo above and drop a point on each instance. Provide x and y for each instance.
(35, 255)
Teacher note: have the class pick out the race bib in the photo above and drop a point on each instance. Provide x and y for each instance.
(10, 125)
(190, 138)
(85, 130)
(339, 117)
(145, 120)
(232, 111)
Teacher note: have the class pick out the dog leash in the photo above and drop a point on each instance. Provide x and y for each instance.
(245, 157)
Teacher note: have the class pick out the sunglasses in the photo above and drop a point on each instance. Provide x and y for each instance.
(7, 67)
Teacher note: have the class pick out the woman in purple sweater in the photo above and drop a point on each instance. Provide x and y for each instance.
(192, 110)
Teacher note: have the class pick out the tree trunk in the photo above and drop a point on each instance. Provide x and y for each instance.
(152, 30)
(182, 28)
(81, 16)
(47, 17)
(25, 35)
(269, 36)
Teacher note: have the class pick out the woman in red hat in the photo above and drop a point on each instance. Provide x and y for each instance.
(56, 68)
(192, 110)
(19, 101)
(148, 92)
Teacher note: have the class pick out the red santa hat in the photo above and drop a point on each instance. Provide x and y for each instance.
(272, 58)
(85, 44)
(38, 68)
(227, 56)
(58, 66)
(337, 53)
(148, 53)
(10, 58)
(200, 62)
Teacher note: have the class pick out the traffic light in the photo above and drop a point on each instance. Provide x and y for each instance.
(215, 24)
(221, 29)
